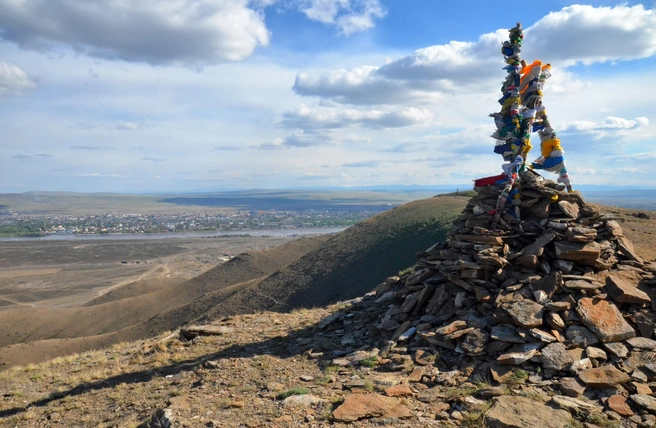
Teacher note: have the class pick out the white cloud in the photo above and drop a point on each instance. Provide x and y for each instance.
(187, 32)
(611, 126)
(14, 81)
(588, 34)
(362, 85)
(308, 118)
(574, 34)
(349, 16)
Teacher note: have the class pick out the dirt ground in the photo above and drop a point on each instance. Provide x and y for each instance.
(69, 273)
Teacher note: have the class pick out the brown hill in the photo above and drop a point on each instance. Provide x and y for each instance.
(331, 269)
(124, 309)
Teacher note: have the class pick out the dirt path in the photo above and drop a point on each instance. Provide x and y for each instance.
(6, 299)
(165, 270)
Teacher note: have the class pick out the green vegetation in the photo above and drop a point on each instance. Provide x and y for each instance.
(370, 362)
(23, 230)
(294, 391)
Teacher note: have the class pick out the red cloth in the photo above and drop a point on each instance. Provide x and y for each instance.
(488, 181)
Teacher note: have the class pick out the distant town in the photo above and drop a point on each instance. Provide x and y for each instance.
(29, 224)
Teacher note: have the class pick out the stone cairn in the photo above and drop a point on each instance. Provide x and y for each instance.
(547, 293)
(561, 294)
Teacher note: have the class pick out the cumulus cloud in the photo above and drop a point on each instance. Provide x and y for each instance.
(124, 126)
(100, 175)
(88, 147)
(363, 164)
(361, 85)
(317, 138)
(588, 34)
(14, 81)
(308, 118)
(188, 32)
(611, 126)
(584, 34)
(349, 16)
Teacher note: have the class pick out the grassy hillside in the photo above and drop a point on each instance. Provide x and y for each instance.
(351, 263)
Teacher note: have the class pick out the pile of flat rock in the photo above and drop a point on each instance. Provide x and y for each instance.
(560, 296)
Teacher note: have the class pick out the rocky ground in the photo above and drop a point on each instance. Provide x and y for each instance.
(547, 322)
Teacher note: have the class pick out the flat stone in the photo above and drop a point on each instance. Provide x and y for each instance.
(563, 265)
(399, 391)
(474, 342)
(595, 353)
(581, 336)
(363, 406)
(624, 292)
(329, 320)
(554, 320)
(626, 247)
(355, 357)
(574, 251)
(526, 313)
(617, 403)
(204, 330)
(604, 319)
(603, 377)
(522, 412)
(549, 284)
(452, 327)
(556, 357)
(575, 406)
(579, 365)
(431, 395)
(571, 387)
(304, 400)
(520, 353)
(614, 228)
(645, 401)
(542, 335)
(583, 285)
(617, 349)
(642, 343)
(581, 234)
(537, 248)
(417, 374)
(642, 388)
(501, 374)
(506, 333)
(440, 296)
(492, 391)
(570, 209)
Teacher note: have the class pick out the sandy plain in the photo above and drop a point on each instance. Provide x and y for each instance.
(69, 273)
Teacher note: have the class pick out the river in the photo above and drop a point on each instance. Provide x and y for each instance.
(178, 235)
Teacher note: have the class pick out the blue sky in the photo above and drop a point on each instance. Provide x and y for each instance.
(205, 95)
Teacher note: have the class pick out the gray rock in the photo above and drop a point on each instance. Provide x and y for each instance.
(506, 333)
(556, 357)
(624, 292)
(581, 336)
(575, 406)
(595, 353)
(617, 349)
(571, 387)
(526, 313)
(642, 343)
(520, 353)
(645, 401)
(474, 342)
